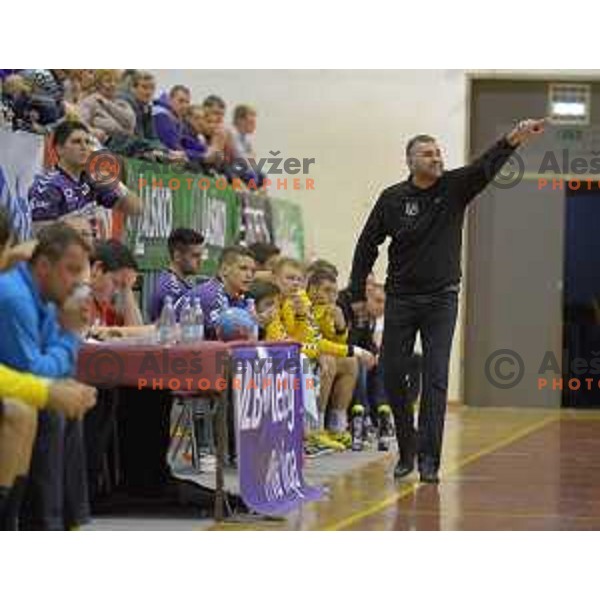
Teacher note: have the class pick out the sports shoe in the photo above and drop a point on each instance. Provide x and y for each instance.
(312, 450)
(385, 428)
(322, 439)
(341, 437)
(357, 427)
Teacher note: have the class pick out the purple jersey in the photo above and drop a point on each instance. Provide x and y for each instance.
(168, 284)
(55, 194)
(214, 300)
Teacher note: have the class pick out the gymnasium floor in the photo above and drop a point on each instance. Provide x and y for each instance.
(504, 469)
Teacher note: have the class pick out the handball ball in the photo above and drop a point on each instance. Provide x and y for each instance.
(235, 324)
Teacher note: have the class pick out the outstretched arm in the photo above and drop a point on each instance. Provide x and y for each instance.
(470, 180)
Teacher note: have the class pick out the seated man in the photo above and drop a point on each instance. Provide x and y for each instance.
(20, 395)
(69, 190)
(185, 252)
(114, 272)
(228, 289)
(168, 113)
(40, 335)
(242, 143)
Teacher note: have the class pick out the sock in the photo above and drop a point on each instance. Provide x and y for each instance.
(321, 420)
(13, 504)
(339, 421)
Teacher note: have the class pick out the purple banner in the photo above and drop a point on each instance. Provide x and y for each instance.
(267, 395)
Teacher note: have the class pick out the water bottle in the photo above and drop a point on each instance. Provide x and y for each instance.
(198, 319)
(251, 307)
(188, 324)
(167, 323)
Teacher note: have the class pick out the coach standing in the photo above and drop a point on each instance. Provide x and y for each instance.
(424, 217)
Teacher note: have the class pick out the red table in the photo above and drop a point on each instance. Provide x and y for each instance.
(202, 368)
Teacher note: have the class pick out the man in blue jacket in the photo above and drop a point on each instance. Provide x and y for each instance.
(168, 114)
(40, 335)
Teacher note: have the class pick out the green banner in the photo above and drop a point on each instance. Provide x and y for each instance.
(288, 228)
(174, 199)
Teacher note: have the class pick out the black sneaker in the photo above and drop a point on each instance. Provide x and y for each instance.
(403, 470)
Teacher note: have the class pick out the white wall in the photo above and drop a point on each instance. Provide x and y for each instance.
(355, 123)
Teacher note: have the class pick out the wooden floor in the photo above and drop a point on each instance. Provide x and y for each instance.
(503, 469)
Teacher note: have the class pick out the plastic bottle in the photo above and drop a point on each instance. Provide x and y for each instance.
(251, 304)
(198, 320)
(187, 321)
(167, 323)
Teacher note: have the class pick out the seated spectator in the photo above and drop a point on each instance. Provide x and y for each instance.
(18, 418)
(68, 190)
(83, 83)
(47, 94)
(41, 336)
(229, 288)
(192, 138)
(113, 275)
(143, 87)
(168, 113)
(185, 252)
(242, 143)
(17, 99)
(265, 255)
(109, 118)
(215, 107)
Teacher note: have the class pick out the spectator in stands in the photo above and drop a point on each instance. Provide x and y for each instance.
(265, 255)
(69, 189)
(17, 100)
(215, 106)
(20, 394)
(185, 253)
(242, 143)
(83, 84)
(192, 139)
(113, 275)
(47, 92)
(143, 87)
(41, 339)
(109, 118)
(168, 113)
(228, 289)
